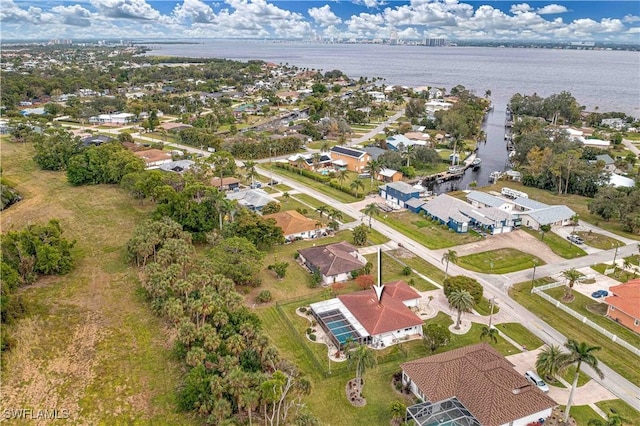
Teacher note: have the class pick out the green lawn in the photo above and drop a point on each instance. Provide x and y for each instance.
(596, 312)
(627, 412)
(426, 232)
(392, 271)
(307, 199)
(615, 356)
(500, 261)
(520, 334)
(419, 265)
(560, 246)
(618, 274)
(484, 307)
(577, 203)
(582, 414)
(599, 241)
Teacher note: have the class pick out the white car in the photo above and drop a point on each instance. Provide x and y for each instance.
(536, 380)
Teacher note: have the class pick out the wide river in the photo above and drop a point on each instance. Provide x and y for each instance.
(609, 80)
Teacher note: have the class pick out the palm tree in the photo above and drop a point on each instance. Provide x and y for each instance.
(342, 175)
(249, 399)
(360, 358)
(578, 354)
(300, 162)
(613, 419)
(355, 185)
(575, 219)
(322, 210)
(335, 214)
(572, 276)
(489, 332)
(250, 168)
(316, 161)
(462, 301)
(449, 256)
(547, 361)
(370, 210)
(373, 168)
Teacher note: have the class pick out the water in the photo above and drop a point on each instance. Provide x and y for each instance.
(609, 80)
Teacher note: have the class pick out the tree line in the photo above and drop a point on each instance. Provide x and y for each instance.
(233, 371)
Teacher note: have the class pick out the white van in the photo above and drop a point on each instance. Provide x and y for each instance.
(536, 380)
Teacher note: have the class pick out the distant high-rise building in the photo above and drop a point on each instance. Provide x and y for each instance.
(434, 42)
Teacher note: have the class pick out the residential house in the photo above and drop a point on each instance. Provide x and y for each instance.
(95, 140)
(229, 183)
(551, 215)
(436, 105)
(402, 142)
(481, 199)
(120, 118)
(308, 161)
(179, 166)
(253, 199)
(374, 152)
(335, 262)
(614, 123)
(389, 175)
(297, 226)
(621, 181)
(609, 163)
(154, 158)
(475, 385)
(624, 304)
(352, 159)
(460, 216)
(398, 193)
(367, 317)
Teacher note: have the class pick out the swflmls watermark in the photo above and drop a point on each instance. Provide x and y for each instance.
(35, 414)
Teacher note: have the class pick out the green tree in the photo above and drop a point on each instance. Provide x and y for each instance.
(371, 210)
(373, 168)
(543, 230)
(462, 301)
(398, 410)
(237, 259)
(490, 333)
(613, 419)
(322, 210)
(280, 268)
(342, 176)
(436, 336)
(360, 358)
(271, 207)
(356, 185)
(547, 361)
(360, 234)
(578, 354)
(449, 256)
(572, 276)
(55, 149)
(461, 282)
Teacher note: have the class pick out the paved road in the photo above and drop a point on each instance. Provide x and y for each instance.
(373, 132)
(497, 285)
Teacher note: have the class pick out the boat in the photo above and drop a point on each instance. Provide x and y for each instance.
(456, 169)
(475, 164)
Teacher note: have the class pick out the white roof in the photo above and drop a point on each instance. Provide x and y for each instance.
(339, 162)
(618, 180)
(387, 172)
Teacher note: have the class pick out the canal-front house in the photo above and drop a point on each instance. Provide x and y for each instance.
(398, 193)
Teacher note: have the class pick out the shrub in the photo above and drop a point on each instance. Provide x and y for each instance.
(314, 323)
(406, 270)
(312, 337)
(309, 330)
(303, 309)
(264, 296)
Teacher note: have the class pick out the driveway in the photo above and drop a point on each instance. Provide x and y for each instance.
(515, 239)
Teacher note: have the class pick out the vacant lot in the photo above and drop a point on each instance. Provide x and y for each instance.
(90, 344)
(501, 261)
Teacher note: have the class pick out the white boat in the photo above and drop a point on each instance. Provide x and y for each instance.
(476, 163)
(456, 169)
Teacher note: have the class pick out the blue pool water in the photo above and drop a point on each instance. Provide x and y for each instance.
(341, 330)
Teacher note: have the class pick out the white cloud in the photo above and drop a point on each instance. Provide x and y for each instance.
(552, 9)
(371, 4)
(194, 11)
(324, 16)
(11, 12)
(631, 18)
(75, 15)
(522, 7)
(126, 9)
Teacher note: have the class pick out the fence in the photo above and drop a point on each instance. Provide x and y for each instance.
(540, 292)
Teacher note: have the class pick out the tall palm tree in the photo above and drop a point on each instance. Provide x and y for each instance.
(335, 214)
(361, 358)
(462, 301)
(489, 332)
(316, 161)
(578, 354)
(250, 169)
(371, 210)
(322, 210)
(373, 168)
(572, 276)
(249, 399)
(342, 176)
(547, 361)
(356, 185)
(300, 162)
(449, 256)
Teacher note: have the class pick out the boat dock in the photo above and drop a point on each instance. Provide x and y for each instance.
(454, 172)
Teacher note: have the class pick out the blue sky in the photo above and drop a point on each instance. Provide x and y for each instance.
(615, 21)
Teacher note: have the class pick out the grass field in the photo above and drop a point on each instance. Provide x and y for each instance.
(426, 232)
(90, 344)
(560, 246)
(612, 354)
(630, 414)
(500, 261)
(599, 241)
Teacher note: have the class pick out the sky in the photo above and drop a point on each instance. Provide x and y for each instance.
(604, 20)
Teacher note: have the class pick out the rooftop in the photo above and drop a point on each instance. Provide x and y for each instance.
(355, 153)
(626, 297)
(333, 259)
(292, 222)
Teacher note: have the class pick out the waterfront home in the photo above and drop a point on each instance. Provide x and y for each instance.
(550, 215)
(334, 262)
(366, 317)
(389, 175)
(624, 304)
(398, 193)
(475, 385)
(461, 216)
(402, 142)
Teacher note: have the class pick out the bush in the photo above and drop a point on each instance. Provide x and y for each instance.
(406, 270)
(303, 309)
(264, 296)
(309, 330)
(312, 337)
(461, 282)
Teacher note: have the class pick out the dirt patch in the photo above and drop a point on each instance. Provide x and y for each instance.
(597, 308)
(403, 253)
(516, 239)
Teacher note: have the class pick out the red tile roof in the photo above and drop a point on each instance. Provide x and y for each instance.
(626, 297)
(390, 314)
(482, 380)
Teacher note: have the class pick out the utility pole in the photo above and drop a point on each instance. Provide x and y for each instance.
(615, 254)
(533, 278)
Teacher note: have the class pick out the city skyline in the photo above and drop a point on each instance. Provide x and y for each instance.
(605, 21)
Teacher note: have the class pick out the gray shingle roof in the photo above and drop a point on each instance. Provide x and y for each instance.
(486, 199)
(529, 204)
(551, 214)
(401, 186)
(253, 198)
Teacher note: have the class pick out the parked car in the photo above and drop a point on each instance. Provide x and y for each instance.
(536, 380)
(575, 239)
(600, 293)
